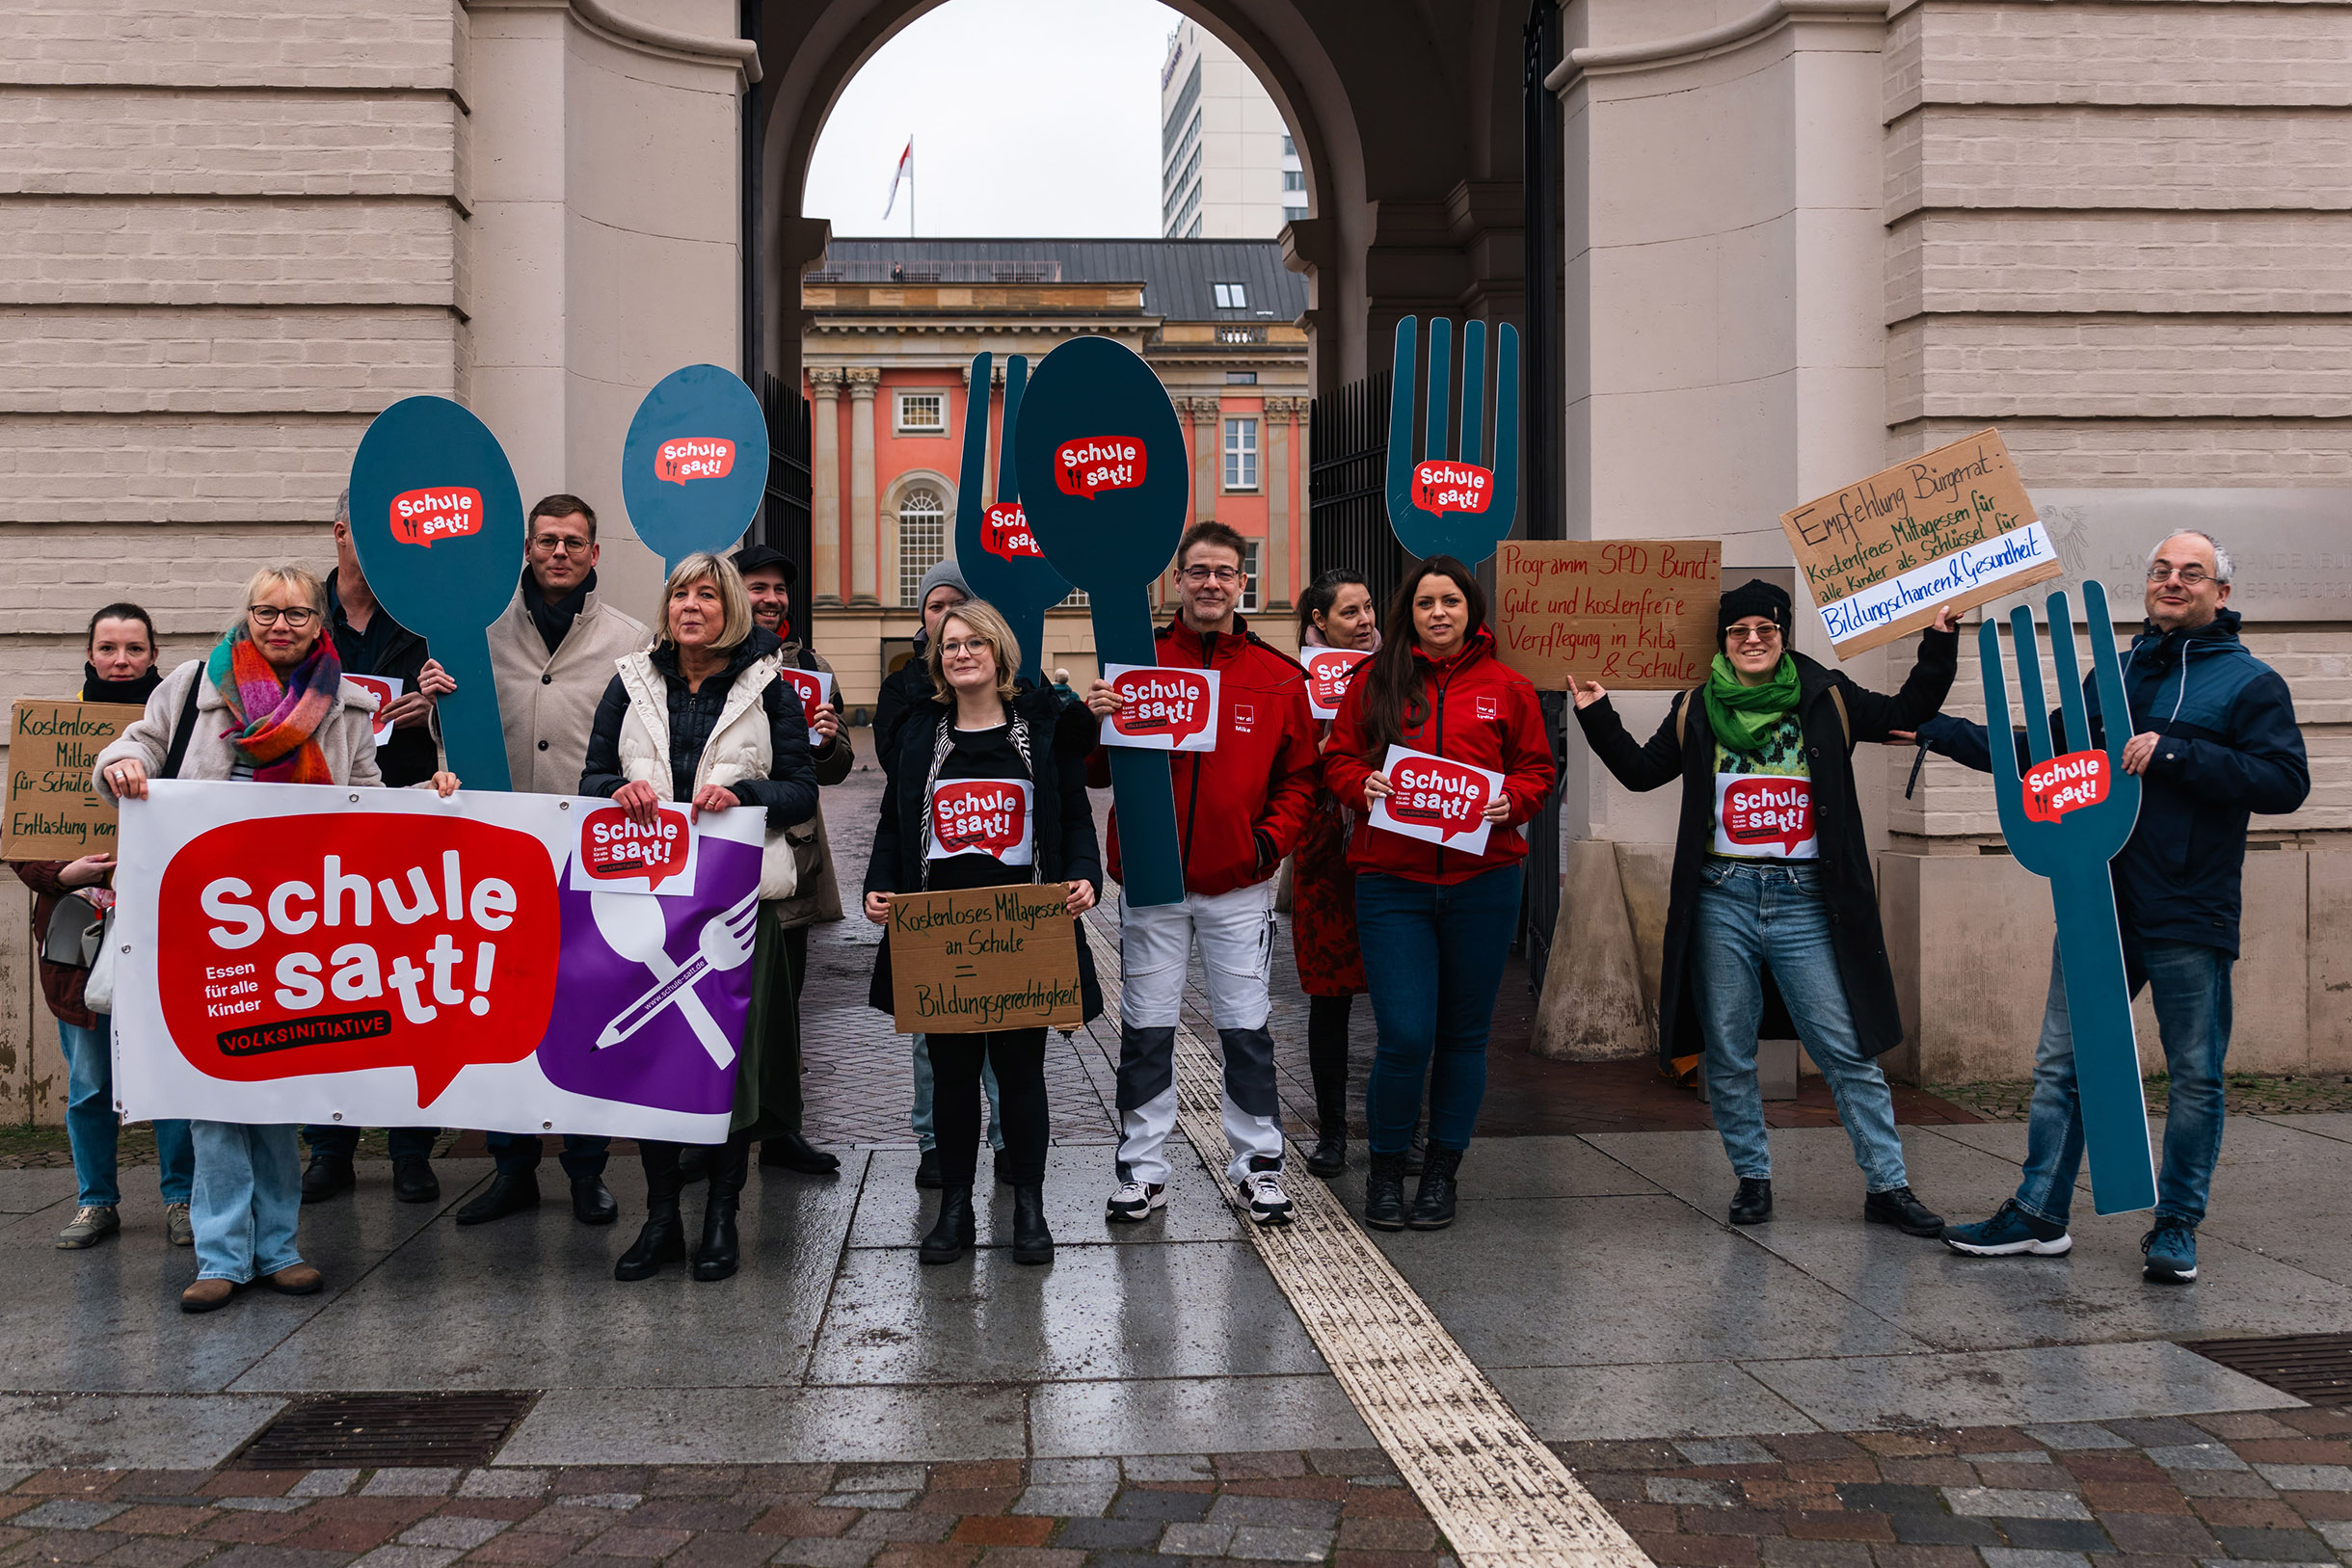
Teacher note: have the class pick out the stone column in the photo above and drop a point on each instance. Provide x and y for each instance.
(1207, 452)
(865, 528)
(1276, 573)
(825, 484)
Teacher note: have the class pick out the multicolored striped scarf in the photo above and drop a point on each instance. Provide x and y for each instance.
(277, 720)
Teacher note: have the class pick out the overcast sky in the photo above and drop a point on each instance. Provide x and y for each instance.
(1030, 117)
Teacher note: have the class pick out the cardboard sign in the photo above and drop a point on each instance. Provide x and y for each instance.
(814, 686)
(694, 463)
(355, 956)
(1436, 800)
(1442, 500)
(984, 959)
(1633, 613)
(1166, 709)
(383, 688)
(53, 811)
(1113, 544)
(615, 855)
(995, 544)
(1952, 526)
(1330, 673)
(982, 817)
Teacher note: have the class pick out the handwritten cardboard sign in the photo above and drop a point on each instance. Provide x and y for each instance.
(1633, 613)
(1952, 526)
(53, 814)
(984, 959)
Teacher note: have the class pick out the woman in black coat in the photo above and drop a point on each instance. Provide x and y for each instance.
(1771, 900)
(988, 788)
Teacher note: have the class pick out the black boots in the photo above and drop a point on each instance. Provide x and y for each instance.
(1328, 1062)
(664, 1240)
(510, 1192)
(1033, 1243)
(1384, 1193)
(795, 1152)
(1901, 1207)
(720, 1253)
(1433, 1199)
(952, 1235)
(1751, 1205)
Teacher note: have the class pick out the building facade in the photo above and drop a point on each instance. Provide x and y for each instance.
(892, 326)
(1229, 168)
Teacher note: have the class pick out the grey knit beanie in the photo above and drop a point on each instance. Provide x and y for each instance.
(943, 573)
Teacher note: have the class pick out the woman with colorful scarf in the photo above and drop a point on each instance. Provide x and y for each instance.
(1773, 918)
(271, 704)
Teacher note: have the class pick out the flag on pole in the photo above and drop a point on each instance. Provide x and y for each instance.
(904, 173)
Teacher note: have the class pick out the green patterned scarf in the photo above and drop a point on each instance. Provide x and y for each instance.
(1742, 716)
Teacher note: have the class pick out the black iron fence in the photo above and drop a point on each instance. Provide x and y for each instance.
(784, 512)
(1348, 469)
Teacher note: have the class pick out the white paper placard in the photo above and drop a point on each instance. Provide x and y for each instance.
(1167, 708)
(1330, 673)
(1442, 801)
(384, 688)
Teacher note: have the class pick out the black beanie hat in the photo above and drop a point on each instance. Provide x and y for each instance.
(1756, 597)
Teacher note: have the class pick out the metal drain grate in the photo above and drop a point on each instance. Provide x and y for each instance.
(364, 1431)
(2313, 1367)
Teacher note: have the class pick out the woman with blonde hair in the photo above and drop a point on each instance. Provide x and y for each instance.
(702, 718)
(269, 704)
(989, 788)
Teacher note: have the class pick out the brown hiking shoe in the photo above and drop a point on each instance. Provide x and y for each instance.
(207, 1295)
(300, 1280)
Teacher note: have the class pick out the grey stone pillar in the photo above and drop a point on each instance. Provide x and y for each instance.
(864, 525)
(825, 484)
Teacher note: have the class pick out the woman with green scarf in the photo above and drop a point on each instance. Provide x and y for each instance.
(1773, 919)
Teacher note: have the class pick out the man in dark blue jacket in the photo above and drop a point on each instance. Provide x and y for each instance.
(2213, 740)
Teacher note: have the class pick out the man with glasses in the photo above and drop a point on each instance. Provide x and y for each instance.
(369, 642)
(1239, 808)
(551, 655)
(2214, 739)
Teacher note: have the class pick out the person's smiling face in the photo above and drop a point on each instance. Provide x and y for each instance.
(2183, 589)
(967, 659)
(1753, 645)
(1209, 585)
(1441, 615)
(283, 624)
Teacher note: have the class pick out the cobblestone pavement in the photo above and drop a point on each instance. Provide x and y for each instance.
(2220, 1490)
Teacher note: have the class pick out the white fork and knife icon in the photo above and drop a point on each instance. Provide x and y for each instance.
(634, 926)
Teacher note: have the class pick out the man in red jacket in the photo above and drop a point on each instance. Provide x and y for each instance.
(1239, 808)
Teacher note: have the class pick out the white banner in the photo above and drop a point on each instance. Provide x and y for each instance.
(1946, 577)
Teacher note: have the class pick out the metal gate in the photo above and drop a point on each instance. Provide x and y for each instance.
(1347, 513)
(783, 513)
(1544, 471)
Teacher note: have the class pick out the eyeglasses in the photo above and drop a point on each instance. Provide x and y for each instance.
(2190, 576)
(964, 645)
(1752, 634)
(268, 615)
(560, 545)
(1202, 575)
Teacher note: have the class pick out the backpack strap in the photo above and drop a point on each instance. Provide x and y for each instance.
(182, 731)
(1845, 725)
(1682, 713)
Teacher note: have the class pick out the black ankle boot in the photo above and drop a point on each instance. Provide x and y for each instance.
(1327, 1063)
(720, 1255)
(1032, 1242)
(1433, 1199)
(1384, 1193)
(1417, 1152)
(952, 1237)
(664, 1240)
(1330, 1156)
(1751, 1205)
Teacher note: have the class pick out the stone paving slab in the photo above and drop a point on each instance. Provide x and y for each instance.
(124, 1431)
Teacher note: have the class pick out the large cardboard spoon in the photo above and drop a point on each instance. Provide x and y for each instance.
(1106, 480)
(694, 463)
(438, 523)
(994, 548)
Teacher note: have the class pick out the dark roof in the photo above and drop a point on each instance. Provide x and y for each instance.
(1178, 276)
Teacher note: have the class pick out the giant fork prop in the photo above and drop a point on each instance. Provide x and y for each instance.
(994, 549)
(1477, 505)
(2065, 820)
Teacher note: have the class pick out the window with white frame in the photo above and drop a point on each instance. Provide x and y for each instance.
(1241, 454)
(1249, 576)
(923, 540)
(1293, 179)
(1231, 296)
(923, 414)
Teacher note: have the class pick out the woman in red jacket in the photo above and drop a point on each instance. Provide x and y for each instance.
(1433, 918)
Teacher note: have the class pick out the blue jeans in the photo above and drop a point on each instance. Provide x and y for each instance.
(1434, 956)
(582, 1160)
(91, 1126)
(927, 1137)
(1756, 915)
(2190, 985)
(340, 1142)
(247, 1198)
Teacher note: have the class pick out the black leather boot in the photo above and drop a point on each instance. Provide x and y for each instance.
(1417, 1152)
(664, 1240)
(952, 1235)
(1329, 1064)
(1032, 1242)
(1751, 1205)
(720, 1253)
(1384, 1193)
(795, 1152)
(1433, 1199)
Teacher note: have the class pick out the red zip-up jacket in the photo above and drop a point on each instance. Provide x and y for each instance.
(1262, 775)
(1481, 711)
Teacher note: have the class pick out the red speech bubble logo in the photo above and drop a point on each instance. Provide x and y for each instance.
(1098, 463)
(1004, 533)
(1452, 487)
(613, 847)
(693, 457)
(423, 516)
(1761, 809)
(1170, 703)
(328, 943)
(983, 815)
(2066, 783)
(1433, 793)
(1328, 672)
(811, 685)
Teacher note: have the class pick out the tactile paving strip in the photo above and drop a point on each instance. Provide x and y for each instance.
(1501, 1496)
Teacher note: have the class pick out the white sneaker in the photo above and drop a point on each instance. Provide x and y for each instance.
(1135, 1201)
(1269, 1204)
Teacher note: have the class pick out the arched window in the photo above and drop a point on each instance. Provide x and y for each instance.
(923, 540)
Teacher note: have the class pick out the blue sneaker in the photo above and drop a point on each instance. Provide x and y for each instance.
(2171, 1253)
(2010, 1230)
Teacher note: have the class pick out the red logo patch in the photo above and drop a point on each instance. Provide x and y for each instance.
(1490, 707)
(431, 947)
(1452, 487)
(1170, 703)
(613, 847)
(421, 516)
(1098, 463)
(2063, 784)
(982, 815)
(1004, 533)
(1758, 809)
(1436, 793)
(694, 457)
